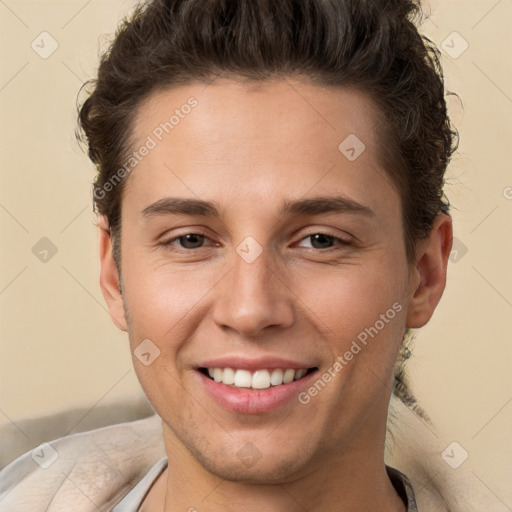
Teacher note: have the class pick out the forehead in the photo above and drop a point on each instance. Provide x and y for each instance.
(266, 136)
(264, 110)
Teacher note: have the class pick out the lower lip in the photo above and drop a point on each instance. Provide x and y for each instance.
(254, 401)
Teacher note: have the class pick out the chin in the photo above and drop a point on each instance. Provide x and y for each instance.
(262, 468)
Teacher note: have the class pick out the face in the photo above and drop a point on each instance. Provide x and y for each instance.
(253, 244)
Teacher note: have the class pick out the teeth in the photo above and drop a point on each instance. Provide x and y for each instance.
(277, 377)
(243, 378)
(289, 374)
(300, 373)
(260, 379)
(228, 376)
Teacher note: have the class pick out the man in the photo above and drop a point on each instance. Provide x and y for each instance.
(252, 249)
(271, 225)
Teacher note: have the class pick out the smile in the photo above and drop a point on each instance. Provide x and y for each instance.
(259, 379)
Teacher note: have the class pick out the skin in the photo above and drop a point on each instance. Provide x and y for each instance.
(249, 148)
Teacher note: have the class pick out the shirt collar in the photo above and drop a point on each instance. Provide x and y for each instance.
(403, 487)
(132, 501)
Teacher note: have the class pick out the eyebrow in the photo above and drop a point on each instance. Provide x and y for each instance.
(309, 206)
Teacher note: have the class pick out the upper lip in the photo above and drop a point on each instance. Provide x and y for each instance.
(242, 363)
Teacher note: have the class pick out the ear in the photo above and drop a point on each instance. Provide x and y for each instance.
(429, 273)
(109, 277)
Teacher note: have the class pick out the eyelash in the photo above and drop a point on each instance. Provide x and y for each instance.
(341, 241)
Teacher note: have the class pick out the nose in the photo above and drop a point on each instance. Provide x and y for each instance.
(253, 297)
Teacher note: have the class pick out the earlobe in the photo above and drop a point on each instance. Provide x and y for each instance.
(109, 276)
(430, 272)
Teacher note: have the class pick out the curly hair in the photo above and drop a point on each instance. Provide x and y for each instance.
(372, 45)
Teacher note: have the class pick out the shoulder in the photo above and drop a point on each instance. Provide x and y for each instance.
(91, 469)
(419, 451)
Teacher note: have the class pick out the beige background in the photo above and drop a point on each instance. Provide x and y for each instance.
(58, 345)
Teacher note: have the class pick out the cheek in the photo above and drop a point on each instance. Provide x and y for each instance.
(160, 293)
(346, 300)
(165, 305)
(360, 313)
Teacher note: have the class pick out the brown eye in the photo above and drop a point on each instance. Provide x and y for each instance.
(323, 241)
(191, 241)
(188, 241)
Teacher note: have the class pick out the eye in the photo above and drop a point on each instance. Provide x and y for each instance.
(188, 241)
(324, 240)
